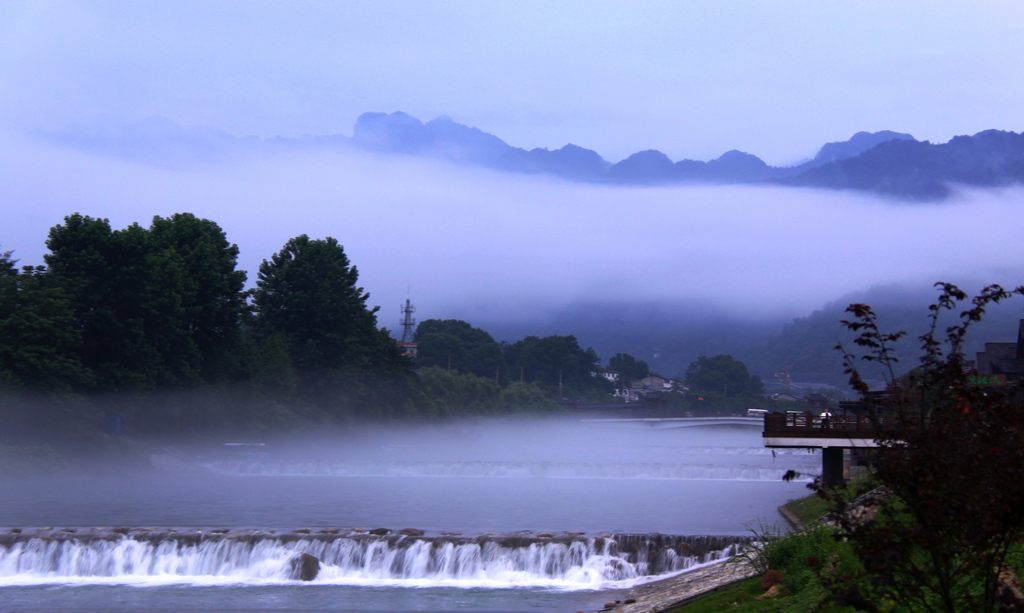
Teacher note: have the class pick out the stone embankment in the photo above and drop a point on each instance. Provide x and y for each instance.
(659, 596)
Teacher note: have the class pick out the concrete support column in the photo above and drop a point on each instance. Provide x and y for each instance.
(832, 466)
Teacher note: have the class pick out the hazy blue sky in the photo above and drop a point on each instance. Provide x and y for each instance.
(693, 79)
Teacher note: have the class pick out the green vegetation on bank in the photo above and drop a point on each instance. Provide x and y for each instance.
(940, 529)
(808, 509)
(807, 563)
(814, 567)
(811, 508)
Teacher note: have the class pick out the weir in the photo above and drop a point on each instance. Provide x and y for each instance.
(505, 469)
(349, 557)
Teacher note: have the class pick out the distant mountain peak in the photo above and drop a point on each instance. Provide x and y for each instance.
(884, 162)
(858, 143)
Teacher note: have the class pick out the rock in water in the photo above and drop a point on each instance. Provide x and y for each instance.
(305, 567)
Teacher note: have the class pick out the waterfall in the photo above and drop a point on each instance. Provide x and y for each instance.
(146, 556)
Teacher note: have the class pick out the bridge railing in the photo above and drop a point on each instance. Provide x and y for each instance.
(795, 424)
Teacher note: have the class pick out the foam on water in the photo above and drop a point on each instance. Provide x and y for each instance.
(150, 558)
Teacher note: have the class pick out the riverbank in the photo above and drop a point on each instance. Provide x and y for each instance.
(666, 594)
(726, 579)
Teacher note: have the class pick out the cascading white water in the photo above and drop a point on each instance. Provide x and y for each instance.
(511, 561)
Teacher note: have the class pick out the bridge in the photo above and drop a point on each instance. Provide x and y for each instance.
(831, 435)
(680, 422)
(782, 430)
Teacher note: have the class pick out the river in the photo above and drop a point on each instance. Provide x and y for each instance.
(499, 515)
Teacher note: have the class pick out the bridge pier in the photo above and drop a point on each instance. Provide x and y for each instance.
(832, 466)
(804, 430)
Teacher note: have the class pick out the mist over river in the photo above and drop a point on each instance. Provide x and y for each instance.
(515, 515)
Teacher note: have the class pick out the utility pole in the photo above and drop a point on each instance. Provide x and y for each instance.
(407, 322)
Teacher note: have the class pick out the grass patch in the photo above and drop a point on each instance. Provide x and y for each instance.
(808, 509)
(807, 560)
(811, 508)
(728, 597)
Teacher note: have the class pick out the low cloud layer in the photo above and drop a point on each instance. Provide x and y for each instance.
(484, 246)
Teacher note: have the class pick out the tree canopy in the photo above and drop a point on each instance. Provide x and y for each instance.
(153, 327)
(41, 343)
(456, 344)
(553, 360)
(722, 374)
(308, 294)
(629, 366)
(156, 308)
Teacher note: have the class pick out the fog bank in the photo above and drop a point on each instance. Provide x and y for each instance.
(488, 247)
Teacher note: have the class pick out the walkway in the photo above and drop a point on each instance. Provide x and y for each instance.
(663, 595)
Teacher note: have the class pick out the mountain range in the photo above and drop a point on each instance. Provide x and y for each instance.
(885, 162)
(888, 163)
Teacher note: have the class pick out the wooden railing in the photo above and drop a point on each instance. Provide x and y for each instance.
(803, 424)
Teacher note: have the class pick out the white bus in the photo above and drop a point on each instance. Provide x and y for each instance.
(757, 412)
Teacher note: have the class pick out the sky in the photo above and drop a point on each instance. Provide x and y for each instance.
(691, 79)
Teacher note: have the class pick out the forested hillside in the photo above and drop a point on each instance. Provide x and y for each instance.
(152, 329)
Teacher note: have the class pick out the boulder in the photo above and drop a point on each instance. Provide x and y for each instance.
(379, 531)
(305, 567)
(411, 532)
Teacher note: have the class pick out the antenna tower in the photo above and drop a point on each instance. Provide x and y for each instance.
(407, 321)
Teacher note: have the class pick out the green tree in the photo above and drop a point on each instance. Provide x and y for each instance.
(275, 375)
(722, 374)
(442, 350)
(554, 360)
(522, 396)
(475, 352)
(38, 340)
(629, 366)
(105, 276)
(459, 394)
(211, 292)
(307, 293)
(157, 308)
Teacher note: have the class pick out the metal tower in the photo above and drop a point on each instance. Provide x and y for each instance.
(407, 321)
